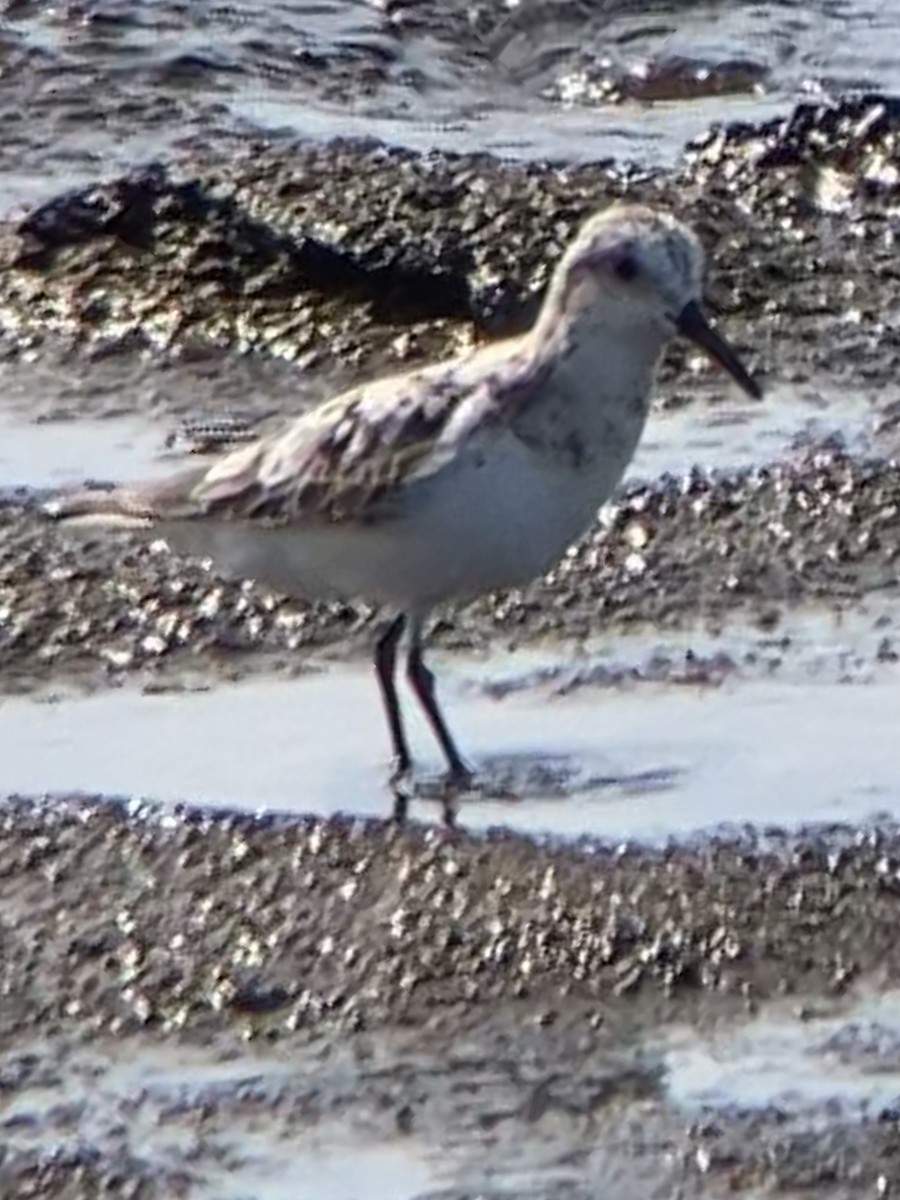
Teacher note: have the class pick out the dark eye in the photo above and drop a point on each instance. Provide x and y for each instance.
(625, 266)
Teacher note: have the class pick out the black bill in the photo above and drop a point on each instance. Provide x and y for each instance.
(692, 323)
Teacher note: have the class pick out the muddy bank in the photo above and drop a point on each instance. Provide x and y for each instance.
(374, 257)
(496, 1116)
(463, 1002)
(273, 926)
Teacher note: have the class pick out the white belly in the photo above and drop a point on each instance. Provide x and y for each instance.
(484, 526)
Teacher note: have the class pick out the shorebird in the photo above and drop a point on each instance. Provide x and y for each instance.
(455, 479)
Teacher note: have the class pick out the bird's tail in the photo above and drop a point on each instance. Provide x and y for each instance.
(131, 506)
(93, 506)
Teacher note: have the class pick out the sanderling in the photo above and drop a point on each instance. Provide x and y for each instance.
(458, 478)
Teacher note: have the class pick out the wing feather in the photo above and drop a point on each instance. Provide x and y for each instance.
(348, 460)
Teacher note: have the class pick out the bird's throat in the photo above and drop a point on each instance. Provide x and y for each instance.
(595, 398)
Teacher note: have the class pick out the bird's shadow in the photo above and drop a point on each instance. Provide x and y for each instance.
(520, 777)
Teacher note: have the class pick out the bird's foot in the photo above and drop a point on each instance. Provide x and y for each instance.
(446, 789)
(459, 778)
(401, 773)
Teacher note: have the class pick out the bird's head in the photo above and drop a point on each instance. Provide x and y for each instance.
(636, 271)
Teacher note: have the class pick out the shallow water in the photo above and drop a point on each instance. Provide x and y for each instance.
(851, 1060)
(649, 761)
(149, 1095)
(513, 79)
(284, 1172)
(56, 453)
(733, 433)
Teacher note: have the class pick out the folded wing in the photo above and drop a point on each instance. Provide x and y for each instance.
(347, 460)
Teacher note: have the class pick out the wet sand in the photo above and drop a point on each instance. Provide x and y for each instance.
(235, 1000)
(241, 1122)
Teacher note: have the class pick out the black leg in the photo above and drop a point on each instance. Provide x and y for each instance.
(385, 670)
(422, 682)
(401, 806)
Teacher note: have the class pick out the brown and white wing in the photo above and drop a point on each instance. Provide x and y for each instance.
(347, 460)
(351, 459)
